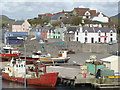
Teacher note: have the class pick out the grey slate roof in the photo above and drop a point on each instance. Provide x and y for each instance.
(104, 29)
(51, 29)
(72, 28)
(19, 22)
(55, 17)
(96, 29)
(89, 29)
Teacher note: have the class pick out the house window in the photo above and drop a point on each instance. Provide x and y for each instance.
(111, 33)
(53, 36)
(87, 16)
(92, 40)
(58, 36)
(99, 34)
(85, 39)
(99, 40)
(104, 40)
(111, 39)
(105, 33)
(85, 33)
(60, 17)
(58, 32)
(77, 38)
(77, 33)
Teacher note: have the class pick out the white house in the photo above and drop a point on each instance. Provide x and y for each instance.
(101, 17)
(112, 62)
(95, 35)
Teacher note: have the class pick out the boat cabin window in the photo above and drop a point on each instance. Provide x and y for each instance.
(8, 68)
(21, 65)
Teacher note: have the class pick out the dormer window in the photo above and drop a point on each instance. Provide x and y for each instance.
(60, 17)
(77, 32)
(99, 33)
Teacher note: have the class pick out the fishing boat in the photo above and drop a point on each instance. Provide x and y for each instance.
(62, 58)
(8, 51)
(38, 57)
(35, 56)
(18, 71)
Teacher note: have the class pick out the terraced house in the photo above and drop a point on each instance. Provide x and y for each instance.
(96, 35)
(57, 33)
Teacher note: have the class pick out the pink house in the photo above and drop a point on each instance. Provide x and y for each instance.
(44, 33)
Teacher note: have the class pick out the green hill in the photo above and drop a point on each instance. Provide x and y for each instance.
(116, 19)
(5, 21)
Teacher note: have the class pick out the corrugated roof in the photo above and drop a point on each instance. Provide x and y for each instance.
(16, 33)
(19, 22)
(110, 59)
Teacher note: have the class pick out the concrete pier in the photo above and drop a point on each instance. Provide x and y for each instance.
(73, 76)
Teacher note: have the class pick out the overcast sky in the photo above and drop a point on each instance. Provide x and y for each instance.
(25, 9)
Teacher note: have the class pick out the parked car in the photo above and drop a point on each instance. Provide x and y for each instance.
(113, 42)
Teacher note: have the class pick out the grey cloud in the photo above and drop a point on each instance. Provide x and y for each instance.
(23, 10)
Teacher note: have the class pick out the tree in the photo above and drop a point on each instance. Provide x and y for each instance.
(4, 25)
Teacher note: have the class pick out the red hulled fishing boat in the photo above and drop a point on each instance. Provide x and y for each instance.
(36, 75)
(8, 51)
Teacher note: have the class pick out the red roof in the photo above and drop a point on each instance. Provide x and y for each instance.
(81, 11)
(62, 12)
(47, 14)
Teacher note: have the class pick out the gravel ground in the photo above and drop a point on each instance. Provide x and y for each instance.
(81, 57)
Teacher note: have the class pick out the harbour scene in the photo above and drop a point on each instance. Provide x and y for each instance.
(65, 50)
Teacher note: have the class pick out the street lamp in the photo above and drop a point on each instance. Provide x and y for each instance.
(25, 84)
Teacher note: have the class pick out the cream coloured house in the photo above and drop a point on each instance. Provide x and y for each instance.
(21, 26)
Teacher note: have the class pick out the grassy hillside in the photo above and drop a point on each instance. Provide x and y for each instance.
(4, 21)
(116, 20)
